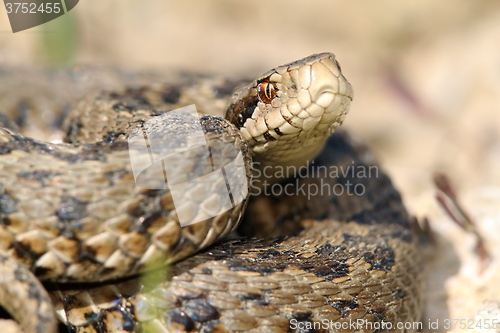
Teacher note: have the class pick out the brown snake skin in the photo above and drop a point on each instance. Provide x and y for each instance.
(334, 251)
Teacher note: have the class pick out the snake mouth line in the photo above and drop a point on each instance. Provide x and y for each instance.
(349, 96)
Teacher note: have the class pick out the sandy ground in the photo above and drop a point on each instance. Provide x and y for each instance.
(427, 94)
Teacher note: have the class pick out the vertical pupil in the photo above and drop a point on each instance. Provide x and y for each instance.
(266, 92)
(269, 92)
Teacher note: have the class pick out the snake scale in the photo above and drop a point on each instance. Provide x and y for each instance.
(327, 248)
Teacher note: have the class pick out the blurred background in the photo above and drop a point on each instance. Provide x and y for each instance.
(426, 77)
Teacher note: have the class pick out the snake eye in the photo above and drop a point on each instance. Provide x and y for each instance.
(266, 91)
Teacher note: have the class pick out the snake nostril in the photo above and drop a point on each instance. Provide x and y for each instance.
(338, 65)
(325, 99)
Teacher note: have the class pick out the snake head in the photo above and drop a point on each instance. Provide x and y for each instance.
(287, 114)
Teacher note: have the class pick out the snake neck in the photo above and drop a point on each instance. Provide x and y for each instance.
(267, 172)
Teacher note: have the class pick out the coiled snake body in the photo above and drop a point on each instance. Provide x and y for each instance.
(333, 251)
